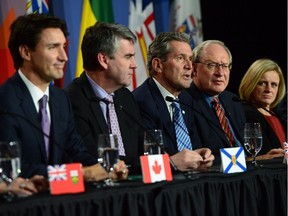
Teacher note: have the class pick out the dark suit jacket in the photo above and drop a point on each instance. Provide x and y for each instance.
(270, 139)
(91, 122)
(208, 126)
(22, 123)
(155, 114)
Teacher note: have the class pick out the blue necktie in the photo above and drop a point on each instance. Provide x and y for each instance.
(182, 135)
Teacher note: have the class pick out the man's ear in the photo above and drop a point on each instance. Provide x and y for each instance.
(157, 65)
(103, 60)
(25, 52)
(194, 70)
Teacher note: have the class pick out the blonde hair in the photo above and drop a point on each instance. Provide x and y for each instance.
(254, 74)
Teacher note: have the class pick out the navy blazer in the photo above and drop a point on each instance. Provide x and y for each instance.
(155, 114)
(22, 123)
(90, 119)
(209, 129)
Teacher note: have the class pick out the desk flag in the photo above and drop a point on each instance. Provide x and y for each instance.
(156, 168)
(233, 160)
(66, 178)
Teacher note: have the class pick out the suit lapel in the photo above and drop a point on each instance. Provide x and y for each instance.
(207, 111)
(162, 108)
(94, 103)
(29, 111)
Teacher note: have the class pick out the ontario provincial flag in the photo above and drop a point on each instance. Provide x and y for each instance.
(65, 178)
(156, 168)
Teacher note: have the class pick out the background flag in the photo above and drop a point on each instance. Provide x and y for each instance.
(9, 10)
(142, 23)
(37, 6)
(185, 16)
(92, 11)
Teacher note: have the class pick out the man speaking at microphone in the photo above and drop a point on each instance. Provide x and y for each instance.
(219, 118)
(170, 68)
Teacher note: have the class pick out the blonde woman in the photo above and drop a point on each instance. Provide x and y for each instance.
(262, 88)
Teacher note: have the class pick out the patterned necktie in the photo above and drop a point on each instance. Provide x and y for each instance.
(222, 119)
(113, 124)
(182, 135)
(45, 121)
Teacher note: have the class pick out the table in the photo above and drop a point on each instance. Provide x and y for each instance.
(260, 192)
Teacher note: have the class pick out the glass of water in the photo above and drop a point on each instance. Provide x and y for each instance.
(10, 166)
(153, 142)
(108, 155)
(253, 140)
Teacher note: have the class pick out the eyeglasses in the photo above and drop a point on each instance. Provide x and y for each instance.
(213, 66)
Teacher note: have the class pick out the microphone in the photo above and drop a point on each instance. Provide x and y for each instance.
(170, 99)
(236, 99)
(133, 119)
(32, 124)
(162, 147)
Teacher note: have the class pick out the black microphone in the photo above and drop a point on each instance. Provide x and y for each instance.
(133, 119)
(236, 99)
(162, 147)
(14, 114)
(171, 99)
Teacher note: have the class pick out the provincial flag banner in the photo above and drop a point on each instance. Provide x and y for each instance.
(65, 178)
(233, 160)
(156, 168)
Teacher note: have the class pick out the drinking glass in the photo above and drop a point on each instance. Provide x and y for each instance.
(153, 142)
(253, 140)
(108, 154)
(10, 166)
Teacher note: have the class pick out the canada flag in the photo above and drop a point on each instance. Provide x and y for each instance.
(156, 168)
(66, 178)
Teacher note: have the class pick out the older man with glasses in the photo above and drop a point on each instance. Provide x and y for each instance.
(219, 117)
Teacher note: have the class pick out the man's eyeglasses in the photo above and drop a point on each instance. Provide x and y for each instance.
(213, 66)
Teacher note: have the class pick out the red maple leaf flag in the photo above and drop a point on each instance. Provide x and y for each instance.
(156, 168)
(66, 178)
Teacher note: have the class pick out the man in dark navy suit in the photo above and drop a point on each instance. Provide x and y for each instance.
(108, 62)
(170, 68)
(212, 62)
(37, 44)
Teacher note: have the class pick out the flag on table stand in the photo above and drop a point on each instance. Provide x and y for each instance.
(156, 168)
(185, 16)
(65, 178)
(142, 23)
(92, 11)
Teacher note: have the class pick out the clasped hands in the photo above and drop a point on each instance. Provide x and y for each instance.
(198, 159)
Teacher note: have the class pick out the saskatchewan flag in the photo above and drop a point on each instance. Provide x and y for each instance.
(92, 11)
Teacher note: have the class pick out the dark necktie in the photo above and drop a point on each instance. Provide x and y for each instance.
(45, 122)
(222, 119)
(182, 135)
(113, 124)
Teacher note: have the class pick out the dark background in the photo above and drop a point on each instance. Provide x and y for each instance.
(250, 29)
